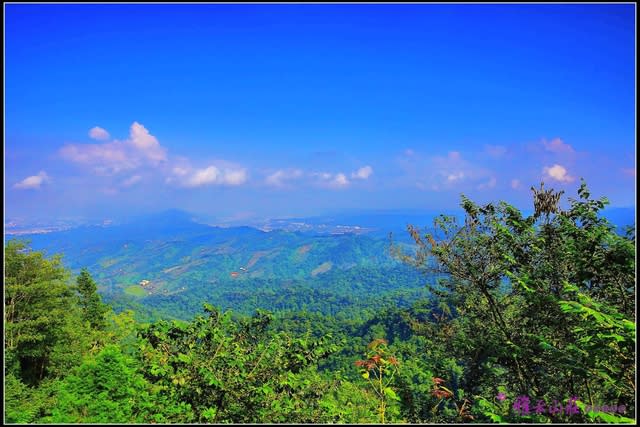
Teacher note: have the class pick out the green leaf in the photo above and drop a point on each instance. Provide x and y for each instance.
(214, 382)
(184, 358)
(391, 394)
(613, 419)
(209, 413)
(495, 418)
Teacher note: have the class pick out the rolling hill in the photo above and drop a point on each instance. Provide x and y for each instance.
(167, 265)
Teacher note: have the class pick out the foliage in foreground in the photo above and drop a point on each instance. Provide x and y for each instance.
(540, 306)
(532, 320)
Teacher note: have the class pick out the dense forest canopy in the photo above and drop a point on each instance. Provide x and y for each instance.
(532, 319)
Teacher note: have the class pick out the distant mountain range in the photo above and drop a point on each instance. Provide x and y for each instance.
(376, 223)
(172, 262)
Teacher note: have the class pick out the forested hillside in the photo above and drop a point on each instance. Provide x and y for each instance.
(501, 318)
(165, 265)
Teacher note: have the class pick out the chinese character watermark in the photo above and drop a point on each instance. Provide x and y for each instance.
(522, 405)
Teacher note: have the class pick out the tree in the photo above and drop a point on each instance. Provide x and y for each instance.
(93, 310)
(236, 371)
(108, 388)
(541, 304)
(38, 305)
(379, 370)
(25, 404)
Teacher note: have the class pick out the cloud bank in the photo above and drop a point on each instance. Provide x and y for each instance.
(284, 178)
(141, 148)
(212, 175)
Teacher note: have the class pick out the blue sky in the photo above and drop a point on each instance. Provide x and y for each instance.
(244, 111)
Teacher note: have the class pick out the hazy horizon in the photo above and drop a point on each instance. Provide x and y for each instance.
(266, 111)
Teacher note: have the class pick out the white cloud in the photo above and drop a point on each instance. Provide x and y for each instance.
(440, 173)
(146, 143)
(131, 181)
(457, 176)
(491, 183)
(515, 184)
(557, 146)
(558, 173)
(143, 150)
(180, 171)
(362, 173)
(629, 172)
(328, 180)
(279, 178)
(98, 133)
(113, 157)
(32, 182)
(107, 158)
(283, 177)
(234, 177)
(340, 180)
(450, 170)
(203, 177)
(211, 175)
